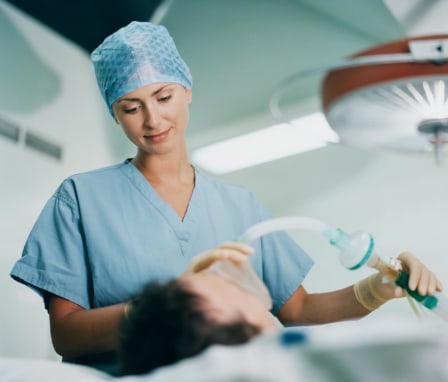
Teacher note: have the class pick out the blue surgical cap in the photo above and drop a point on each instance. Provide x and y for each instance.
(136, 55)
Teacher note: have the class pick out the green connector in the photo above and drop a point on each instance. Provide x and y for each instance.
(428, 301)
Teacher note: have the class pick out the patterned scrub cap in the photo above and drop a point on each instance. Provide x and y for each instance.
(136, 55)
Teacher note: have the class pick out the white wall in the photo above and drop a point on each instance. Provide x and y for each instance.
(47, 86)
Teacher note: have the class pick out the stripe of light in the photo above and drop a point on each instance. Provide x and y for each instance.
(304, 134)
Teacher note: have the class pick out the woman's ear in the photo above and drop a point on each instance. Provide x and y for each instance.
(189, 95)
(113, 113)
(115, 117)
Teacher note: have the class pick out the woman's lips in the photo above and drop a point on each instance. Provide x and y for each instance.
(158, 137)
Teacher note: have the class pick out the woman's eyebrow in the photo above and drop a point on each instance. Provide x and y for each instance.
(127, 100)
(152, 94)
(160, 89)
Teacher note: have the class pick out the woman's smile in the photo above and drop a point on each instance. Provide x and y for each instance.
(159, 137)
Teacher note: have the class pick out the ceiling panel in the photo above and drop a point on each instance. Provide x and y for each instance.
(87, 22)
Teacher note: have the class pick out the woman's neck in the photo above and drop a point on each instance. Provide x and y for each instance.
(157, 169)
(174, 181)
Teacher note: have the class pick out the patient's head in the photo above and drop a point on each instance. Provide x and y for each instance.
(179, 319)
(228, 300)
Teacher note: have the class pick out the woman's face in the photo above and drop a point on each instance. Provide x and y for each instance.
(227, 302)
(154, 117)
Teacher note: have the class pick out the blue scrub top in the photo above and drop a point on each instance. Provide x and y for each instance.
(105, 233)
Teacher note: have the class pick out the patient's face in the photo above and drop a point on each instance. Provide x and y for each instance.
(227, 302)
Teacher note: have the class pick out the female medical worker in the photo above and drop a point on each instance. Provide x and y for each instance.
(105, 233)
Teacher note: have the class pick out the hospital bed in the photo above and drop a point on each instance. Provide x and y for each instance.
(386, 349)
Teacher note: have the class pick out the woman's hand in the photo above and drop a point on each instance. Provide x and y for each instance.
(421, 278)
(235, 252)
(375, 290)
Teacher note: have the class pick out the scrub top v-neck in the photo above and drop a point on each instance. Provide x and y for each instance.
(183, 228)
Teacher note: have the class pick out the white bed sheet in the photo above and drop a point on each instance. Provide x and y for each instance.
(389, 349)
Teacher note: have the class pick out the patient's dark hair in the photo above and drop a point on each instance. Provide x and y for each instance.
(166, 323)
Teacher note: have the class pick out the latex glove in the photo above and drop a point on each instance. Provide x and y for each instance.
(420, 277)
(235, 252)
(376, 289)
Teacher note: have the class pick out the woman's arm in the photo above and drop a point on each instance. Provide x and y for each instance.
(356, 300)
(321, 308)
(76, 331)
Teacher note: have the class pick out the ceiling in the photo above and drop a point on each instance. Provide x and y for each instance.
(240, 50)
(87, 22)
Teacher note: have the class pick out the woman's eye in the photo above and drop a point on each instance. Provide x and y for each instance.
(165, 98)
(130, 110)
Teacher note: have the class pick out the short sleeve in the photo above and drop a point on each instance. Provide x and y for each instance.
(54, 259)
(284, 264)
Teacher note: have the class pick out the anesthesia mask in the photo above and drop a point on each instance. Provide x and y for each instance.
(244, 276)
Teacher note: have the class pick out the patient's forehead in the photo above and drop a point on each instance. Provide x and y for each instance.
(205, 284)
(219, 297)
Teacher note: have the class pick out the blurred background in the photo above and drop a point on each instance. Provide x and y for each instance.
(53, 123)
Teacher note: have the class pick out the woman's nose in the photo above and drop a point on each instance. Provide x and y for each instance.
(152, 116)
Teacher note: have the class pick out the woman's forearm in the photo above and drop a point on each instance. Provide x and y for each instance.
(76, 332)
(333, 306)
(321, 308)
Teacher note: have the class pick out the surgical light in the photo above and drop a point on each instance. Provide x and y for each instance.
(392, 96)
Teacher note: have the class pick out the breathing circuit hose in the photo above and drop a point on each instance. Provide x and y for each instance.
(281, 224)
